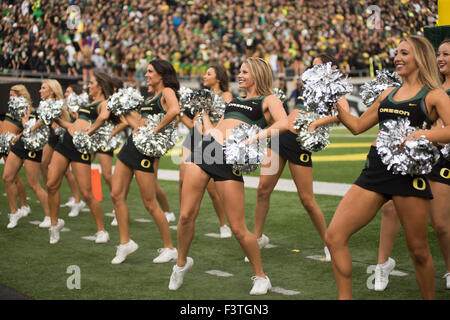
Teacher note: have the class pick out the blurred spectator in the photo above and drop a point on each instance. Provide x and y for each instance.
(193, 34)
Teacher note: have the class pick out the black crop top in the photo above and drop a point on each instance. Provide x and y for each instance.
(414, 109)
(152, 105)
(89, 112)
(248, 110)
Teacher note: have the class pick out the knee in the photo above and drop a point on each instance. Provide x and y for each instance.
(264, 192)
(420, 254)
(185, 219)
(8, 178)
(333, 239)
(117, 195)
(309, 203)
(52, 185)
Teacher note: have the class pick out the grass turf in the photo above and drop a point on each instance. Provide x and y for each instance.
(29, 264)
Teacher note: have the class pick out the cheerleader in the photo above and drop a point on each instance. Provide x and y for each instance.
(163, 85)
(439, 180)
(416, 65)
(216, 79)
(16, 189)
(57, 94)
(75, 202)
(90, 118)
(300, 165)
(50, 89)
(260, 107)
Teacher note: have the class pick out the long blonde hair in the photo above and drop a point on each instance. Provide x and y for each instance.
(56, 88)
(22, 91)
(262, 74)
(425, 58)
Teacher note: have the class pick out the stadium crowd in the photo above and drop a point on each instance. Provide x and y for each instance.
(193, 34)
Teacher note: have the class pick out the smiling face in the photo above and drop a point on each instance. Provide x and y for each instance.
(443, 58)
(12, 93)
(404, 60)
(153, 78)
(317, 61)
(245, 79)
(94, 88)
(45, 91)
(210, 79)
(69, 90)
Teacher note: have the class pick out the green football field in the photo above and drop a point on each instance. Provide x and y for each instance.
(294, 262)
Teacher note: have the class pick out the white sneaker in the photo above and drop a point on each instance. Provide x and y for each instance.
(54, 231)
(225, 232)
(447, 277)
(26, 210)
(170, 216)
(14, 219)
(263, 241)
(114, 222)
(69, 203)
(327, 254)
(76, 208)
(166, 255)
(123, 251)
(382, 272)
(177, 276)
(46, 223)
(102, 237)
(260, 286)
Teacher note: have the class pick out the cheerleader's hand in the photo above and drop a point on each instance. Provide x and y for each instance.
(414, 136)
(16, 138)
(312, 127)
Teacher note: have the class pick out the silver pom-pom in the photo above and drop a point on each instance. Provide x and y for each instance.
(323, 87)
(153, 145)
(279, 94)
(313, 141)
(244, 157)
(445, 151)
(216, 109)
(60, 131)
(5, 142)
(18, 107)
(124, 100)
(373, 88)
(185, 99)
(36, 140)
(75, 102)
(416, 157)
(49, 110)
(82, 142)
(102, 139)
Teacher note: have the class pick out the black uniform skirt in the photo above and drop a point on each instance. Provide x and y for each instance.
(68, 150)
(289, 149)
(131, 157)
(53, 139)
(441, 171)
(102, 151)
(211, 159)
(376, 177)
(19, 150)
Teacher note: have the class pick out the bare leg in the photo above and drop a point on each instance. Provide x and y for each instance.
(356, 209)
(303, 179)
(390, 224)
(147, 182)
(232, 194)
(120, 184)
(265, 187)
(413, 213)
(194, 185)
(82, 173)
(440, 218)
